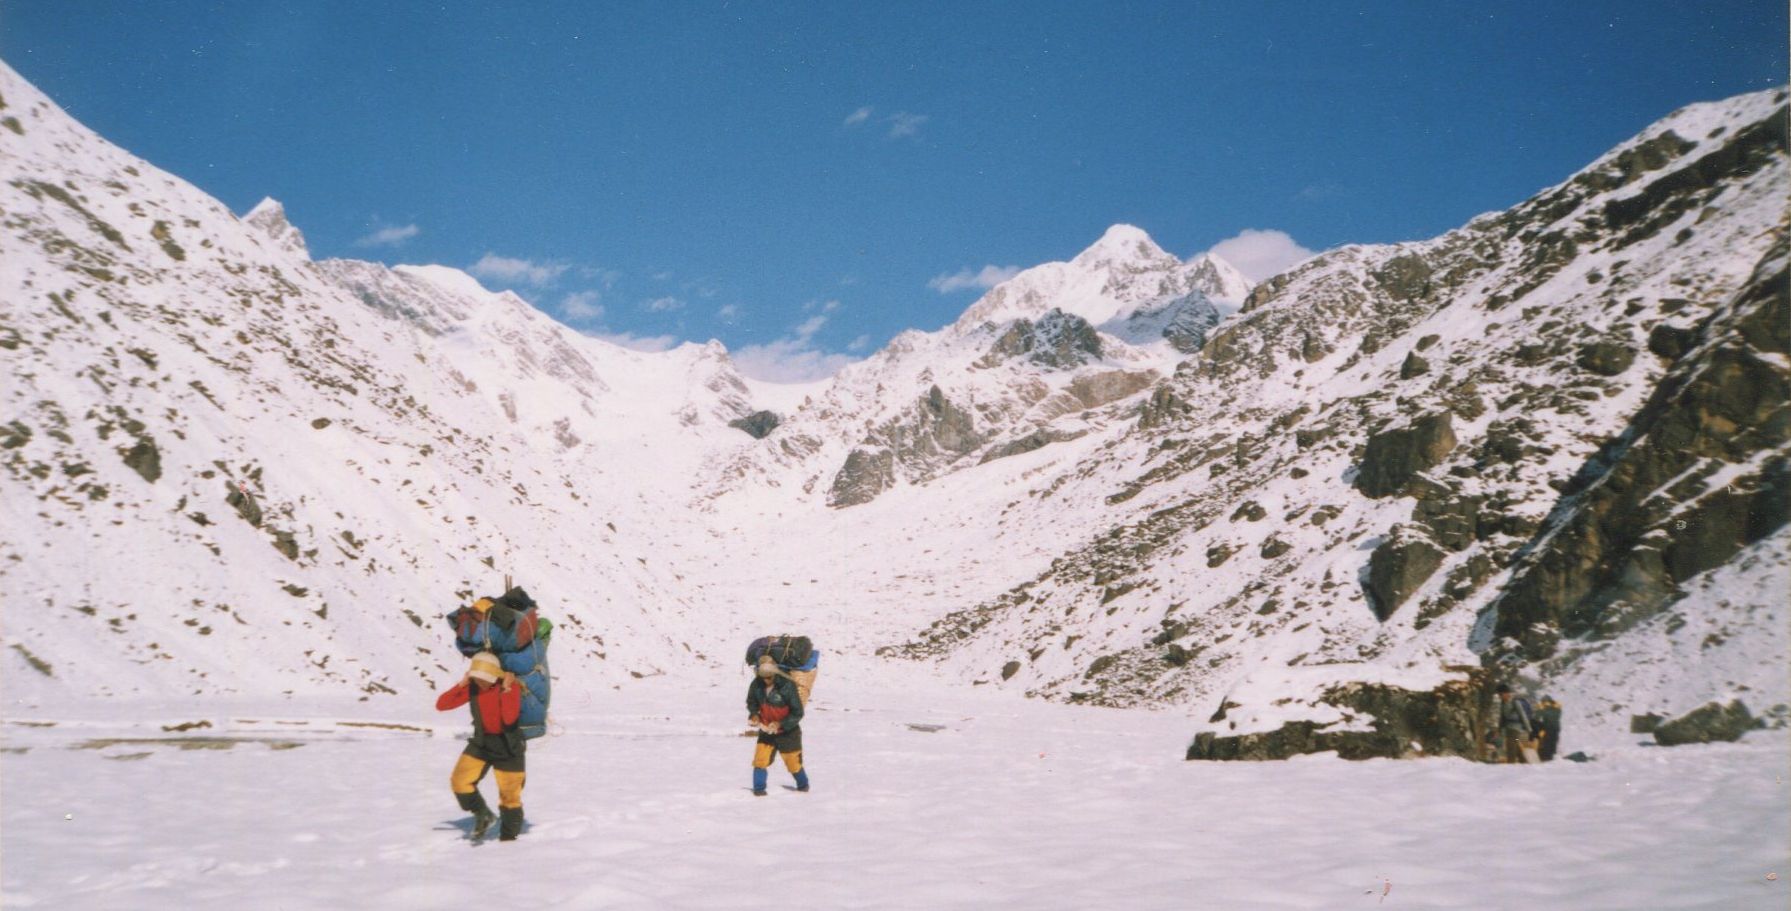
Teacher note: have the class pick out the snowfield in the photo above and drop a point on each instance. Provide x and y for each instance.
(640, 801)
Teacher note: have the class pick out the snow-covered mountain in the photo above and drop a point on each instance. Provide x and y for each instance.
(1553, 441)
(1052, 354)
(1313, 514)
(231, 470)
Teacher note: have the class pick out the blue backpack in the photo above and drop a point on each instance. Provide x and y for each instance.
(510, 628)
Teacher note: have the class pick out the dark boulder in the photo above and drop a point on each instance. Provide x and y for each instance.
(1708, 723)
(144, 459)
(757, 425)
(866, 474)
(1395, 457)
(1606, 358)
(1397, 568)
(1670, 341)
(1413, 366)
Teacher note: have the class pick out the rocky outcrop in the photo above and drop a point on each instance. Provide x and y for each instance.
(1402, 723)
(866, 474)
(1397, 568)
(1708, 723)
(1395, 457)
(757, 425)
(1057, 340)
(1616, 551)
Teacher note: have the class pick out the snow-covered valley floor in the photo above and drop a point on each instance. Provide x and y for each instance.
(640, 800)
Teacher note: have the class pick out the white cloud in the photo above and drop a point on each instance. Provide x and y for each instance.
(663, 304)
(858, 117)
(793, 358)
(984, 278)
(823, 306)
(728, 311)
(902, 123)
(608, 277)
(582, 306)
(638, 342)
(1260, 254)
(389, 237)
(860, 343)
(510, 269)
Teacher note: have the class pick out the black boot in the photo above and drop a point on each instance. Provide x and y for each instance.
(474, 803)
(511, 826)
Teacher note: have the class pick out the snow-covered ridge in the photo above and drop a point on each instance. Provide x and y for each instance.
(1099, 485)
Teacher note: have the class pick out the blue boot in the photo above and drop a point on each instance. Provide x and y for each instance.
(758, 782)
(802, 780)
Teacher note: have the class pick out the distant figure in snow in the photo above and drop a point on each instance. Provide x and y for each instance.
(1548, 724)
(774, 707)
(495, 698)
(1517, 724)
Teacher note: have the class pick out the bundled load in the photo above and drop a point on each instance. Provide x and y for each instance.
(796, 657)
(510, 627)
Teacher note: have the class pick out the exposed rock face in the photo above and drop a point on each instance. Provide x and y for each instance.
(1398, 567)
(1606, 358)
(1038, 439)
(1395, 457)
(145, 459)
(866, 474)
(1056, 340)
(1615, 552)
(1529, 326)
(757, 425)
(1710, 722)
(1441, 722)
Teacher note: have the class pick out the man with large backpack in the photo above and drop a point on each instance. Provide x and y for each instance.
(494, 696)
(774, 708)
(1517, 725)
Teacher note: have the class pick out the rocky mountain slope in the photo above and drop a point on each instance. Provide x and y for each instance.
(1318, 513)
(1555, 434)
(230, 470)
(1041, 358)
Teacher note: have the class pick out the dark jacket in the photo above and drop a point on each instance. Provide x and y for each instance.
(769, 703)
(496, 737)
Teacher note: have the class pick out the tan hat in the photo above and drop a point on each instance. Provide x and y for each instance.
(766, 662)
(485, 667)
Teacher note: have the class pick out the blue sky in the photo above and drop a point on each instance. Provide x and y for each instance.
(802, 181)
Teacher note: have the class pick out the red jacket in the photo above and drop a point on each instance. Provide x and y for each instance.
(498, 708)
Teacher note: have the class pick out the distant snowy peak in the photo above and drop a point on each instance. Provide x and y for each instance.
(1120, 276)
(1125, 248)
(269, 217)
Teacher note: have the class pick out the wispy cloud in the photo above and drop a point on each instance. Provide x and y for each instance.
(582, 306)
(638, 342)
(858, 117)
(902, 124)
(511, 269)
(663, 304)
(1320, 192)
(728, 312)
(859, 344)
(793, 358)
(1260, 254)
(828, 305)
(389, 236)
(981, 279)
(608, 277)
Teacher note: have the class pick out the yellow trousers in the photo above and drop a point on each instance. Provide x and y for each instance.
(761, 758)
(469, 770)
